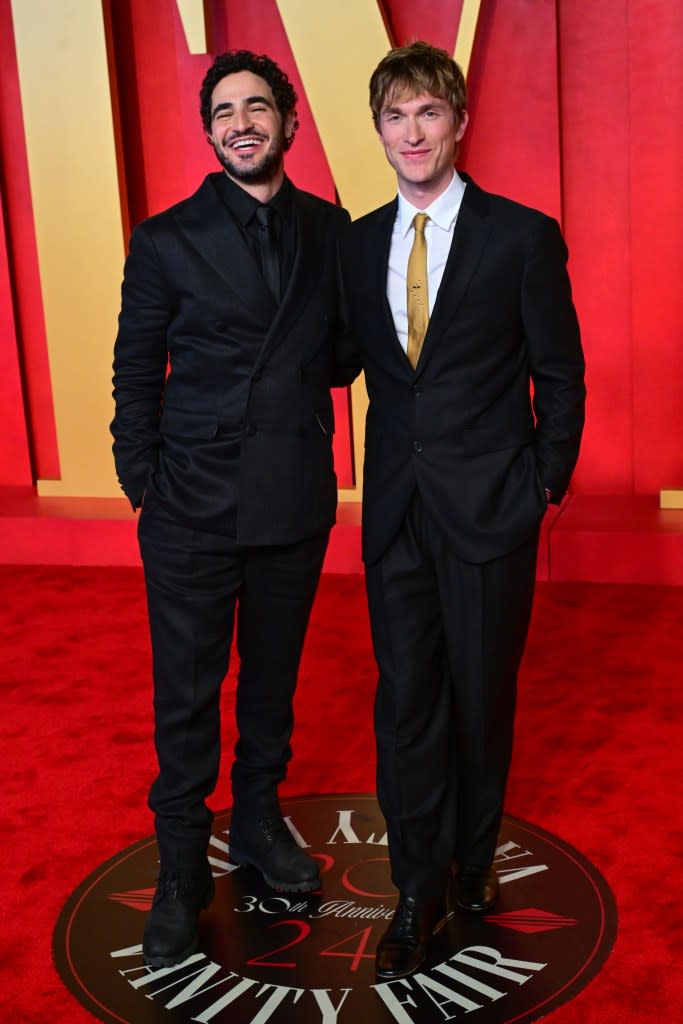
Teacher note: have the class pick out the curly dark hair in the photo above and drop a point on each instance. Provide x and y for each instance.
(244, 60)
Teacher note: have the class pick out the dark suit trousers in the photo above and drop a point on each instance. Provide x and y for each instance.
(448, 638)
(196, 583)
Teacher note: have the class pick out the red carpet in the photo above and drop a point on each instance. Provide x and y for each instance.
(597, 758)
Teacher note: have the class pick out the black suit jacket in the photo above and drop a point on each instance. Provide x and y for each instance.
(462, 427)
(238, 437)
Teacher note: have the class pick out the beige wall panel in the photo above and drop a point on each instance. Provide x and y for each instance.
(67, 112)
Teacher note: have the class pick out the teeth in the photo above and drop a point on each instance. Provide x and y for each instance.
(245, 144)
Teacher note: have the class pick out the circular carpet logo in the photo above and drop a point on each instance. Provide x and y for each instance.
(307, 958)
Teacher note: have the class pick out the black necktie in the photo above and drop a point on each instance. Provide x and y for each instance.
(270, 261)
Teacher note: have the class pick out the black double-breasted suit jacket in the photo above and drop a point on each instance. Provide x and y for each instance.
(464, 427)
(222, 397)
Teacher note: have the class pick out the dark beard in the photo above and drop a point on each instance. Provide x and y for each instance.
(257, 174)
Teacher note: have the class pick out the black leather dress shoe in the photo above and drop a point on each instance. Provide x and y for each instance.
(403, 947)
(476, 889)
(268, 845)
(171, 932)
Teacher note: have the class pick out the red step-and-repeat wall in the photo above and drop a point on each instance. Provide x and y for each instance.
(576, 107)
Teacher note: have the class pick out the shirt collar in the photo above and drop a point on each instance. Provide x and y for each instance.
(442, 211)
(282, 200)
(243, 205)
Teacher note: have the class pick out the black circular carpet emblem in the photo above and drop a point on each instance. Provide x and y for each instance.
(281, 957)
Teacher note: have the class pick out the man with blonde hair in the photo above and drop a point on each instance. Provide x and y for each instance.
(461, 302)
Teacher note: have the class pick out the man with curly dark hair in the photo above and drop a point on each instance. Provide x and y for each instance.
(236, 290)
(244, 60)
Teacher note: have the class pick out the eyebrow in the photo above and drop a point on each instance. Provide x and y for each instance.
(420, 110)
(250, 99)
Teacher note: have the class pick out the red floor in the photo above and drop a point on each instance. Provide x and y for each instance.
(597, 758)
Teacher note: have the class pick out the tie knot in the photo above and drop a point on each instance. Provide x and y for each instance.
(264, 216)
(419, 221)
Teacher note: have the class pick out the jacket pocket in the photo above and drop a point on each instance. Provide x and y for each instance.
(325, 420)
(188, 423)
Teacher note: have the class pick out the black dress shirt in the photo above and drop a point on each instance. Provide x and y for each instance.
(242, 206)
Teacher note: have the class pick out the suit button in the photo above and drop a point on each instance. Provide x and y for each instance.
(417, 391)
(220, 326)
(418, 446)
(251, 429)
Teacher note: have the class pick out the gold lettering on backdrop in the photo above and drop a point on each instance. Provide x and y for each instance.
(65, 95)
(671, 499)
(194, 24)
(75, 190)
(336, 47)
(464, 44)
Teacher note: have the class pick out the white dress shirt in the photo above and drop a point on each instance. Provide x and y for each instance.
(443, 214)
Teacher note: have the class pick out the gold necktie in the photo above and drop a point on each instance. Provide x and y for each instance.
(417, 287)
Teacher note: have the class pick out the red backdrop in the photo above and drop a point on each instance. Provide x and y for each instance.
(576, 107)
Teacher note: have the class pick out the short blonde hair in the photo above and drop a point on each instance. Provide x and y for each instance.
(415, 69)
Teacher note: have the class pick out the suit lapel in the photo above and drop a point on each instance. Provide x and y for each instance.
(471, 233)
(385, 229)
(308, 264)
(378, 267)
(214, 234)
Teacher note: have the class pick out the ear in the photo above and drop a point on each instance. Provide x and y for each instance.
(289, 126)
(460, 131)
(209, 139)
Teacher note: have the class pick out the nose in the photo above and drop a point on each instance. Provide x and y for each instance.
(241, 119)
(413, 130)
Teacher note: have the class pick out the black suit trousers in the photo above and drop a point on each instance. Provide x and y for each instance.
(448, 638)
(197, 584)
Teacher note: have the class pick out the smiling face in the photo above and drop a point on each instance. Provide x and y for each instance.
(420, 136)
(247, 132)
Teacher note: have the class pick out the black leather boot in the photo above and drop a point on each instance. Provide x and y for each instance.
(171, 930)
(268, 845)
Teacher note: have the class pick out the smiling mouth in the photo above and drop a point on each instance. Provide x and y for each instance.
(244, 145)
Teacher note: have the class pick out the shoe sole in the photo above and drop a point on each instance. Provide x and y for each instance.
(241, 859)
(395, 975)
(171, 961)
(474, 909)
